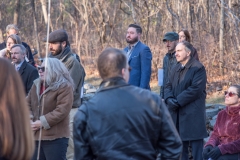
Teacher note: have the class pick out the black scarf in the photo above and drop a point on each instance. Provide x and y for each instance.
(62, 54)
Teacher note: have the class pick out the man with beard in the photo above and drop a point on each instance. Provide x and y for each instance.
(27, 72)
(170, 40)
(139, 58)
(13, 29)
(60, 49)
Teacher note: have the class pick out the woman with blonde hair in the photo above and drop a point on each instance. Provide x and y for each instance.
(224, 142)
(50, 100)
(16, 138)
(11, 40)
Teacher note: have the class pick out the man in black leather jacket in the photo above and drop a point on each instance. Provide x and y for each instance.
(123, 121)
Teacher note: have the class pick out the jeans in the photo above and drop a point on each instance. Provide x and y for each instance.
(51, 149)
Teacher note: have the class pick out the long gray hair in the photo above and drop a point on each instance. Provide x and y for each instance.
(57, 74)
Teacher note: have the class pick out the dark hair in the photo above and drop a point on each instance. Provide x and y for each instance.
(111, 62)
(138, 28)
(16, 137)
(237, 87)
(188, 46)
(187, 34)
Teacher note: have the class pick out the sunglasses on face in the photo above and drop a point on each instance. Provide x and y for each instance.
(230, 94)
(41, 68)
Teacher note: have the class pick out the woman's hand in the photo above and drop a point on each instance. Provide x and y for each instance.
(36, 125)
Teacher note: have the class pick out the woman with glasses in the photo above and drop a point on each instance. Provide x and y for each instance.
(11, 40)
(184, 35)
(50, 100)
(224, 142)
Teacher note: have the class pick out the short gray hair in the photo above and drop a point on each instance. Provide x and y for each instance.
(22, 48)
(57, 74)
(188, 46)
(12, 26)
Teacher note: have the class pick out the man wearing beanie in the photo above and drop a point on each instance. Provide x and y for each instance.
(60, 48)
(170, 40)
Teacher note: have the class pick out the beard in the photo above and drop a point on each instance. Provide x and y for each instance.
(132, 41)
(57, 51)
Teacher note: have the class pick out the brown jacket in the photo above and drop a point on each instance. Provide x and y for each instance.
(57, 105)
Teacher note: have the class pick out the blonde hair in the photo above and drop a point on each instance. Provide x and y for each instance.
(57, 73)
(16, 137)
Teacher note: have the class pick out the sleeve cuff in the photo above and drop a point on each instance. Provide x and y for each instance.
(44, 122)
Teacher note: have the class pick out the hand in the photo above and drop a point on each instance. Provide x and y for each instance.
(206, 150)
(36, 125)
(172, 103)
(214, 153)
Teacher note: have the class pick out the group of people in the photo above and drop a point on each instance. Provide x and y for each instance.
(124, 119)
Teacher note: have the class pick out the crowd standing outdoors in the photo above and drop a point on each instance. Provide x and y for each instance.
(124, 119)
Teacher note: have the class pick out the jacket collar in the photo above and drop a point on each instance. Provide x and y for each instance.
(23, 66)
(37, 83)
(171, 55)
(188, 65)
(111, 83)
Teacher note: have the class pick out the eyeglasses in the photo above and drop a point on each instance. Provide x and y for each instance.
(41, 68)
(230, 94)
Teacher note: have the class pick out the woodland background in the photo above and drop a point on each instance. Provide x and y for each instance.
(93, 25)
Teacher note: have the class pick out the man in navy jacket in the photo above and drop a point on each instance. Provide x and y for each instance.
(139, 58)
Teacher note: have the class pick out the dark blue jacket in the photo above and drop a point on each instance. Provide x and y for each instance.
(141, 62)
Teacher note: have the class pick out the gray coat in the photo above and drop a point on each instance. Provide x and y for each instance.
(188, 85)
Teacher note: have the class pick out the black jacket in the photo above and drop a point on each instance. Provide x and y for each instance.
(124, 122)
(28, 74)
(169, 61)
(29, 52)
(188, 85)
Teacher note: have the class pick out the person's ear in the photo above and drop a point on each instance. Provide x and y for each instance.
(123, 72)
(64, 44)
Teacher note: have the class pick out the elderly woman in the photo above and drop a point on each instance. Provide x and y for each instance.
(16, 138)
(50, 100)
(11, 40)
(224, 142)
(184, 35)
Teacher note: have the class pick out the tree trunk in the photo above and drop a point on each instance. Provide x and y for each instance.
(35, 27)
(221, 49)
(16, 12)
(44, 10)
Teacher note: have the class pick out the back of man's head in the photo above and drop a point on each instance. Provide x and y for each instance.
(111, 62)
